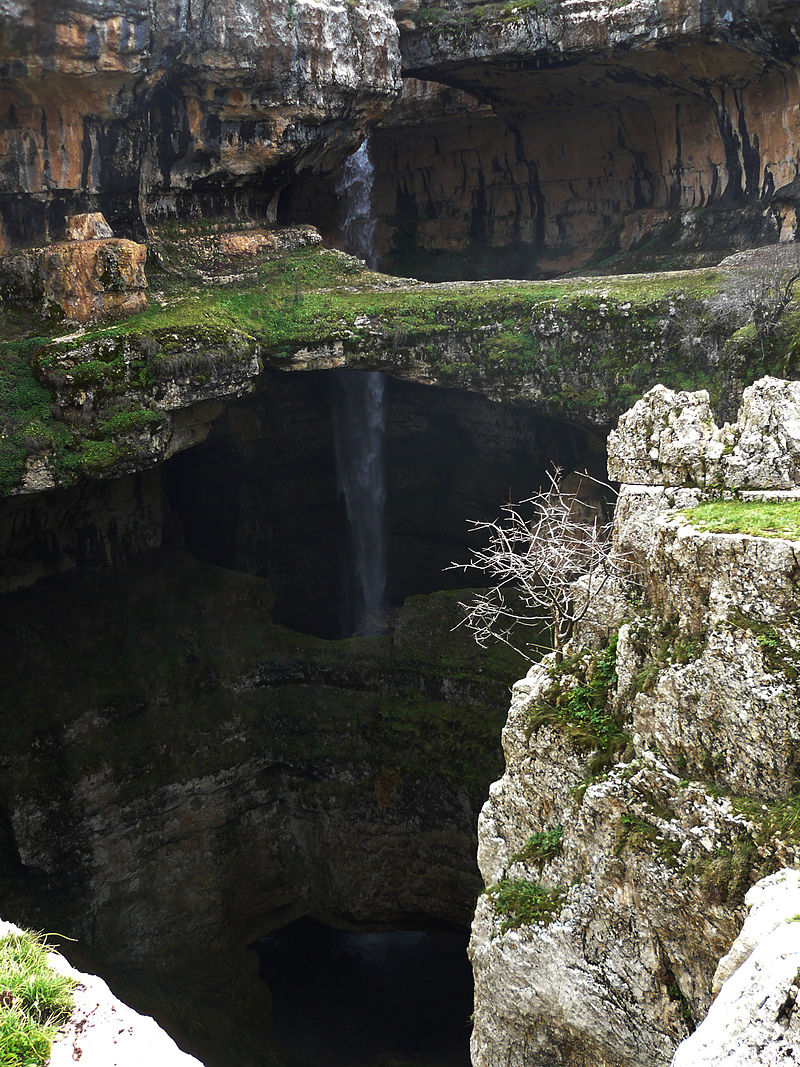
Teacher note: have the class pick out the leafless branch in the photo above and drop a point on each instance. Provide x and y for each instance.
(533, 554)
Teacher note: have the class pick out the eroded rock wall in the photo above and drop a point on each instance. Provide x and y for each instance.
(659, 841)
(687, 174)
(584, 130)
(163, 108)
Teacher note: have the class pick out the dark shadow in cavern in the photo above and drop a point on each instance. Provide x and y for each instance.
(353, 999)
(261, 494)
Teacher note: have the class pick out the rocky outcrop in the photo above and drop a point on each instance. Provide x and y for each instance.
(753, 1020)
(675, 442)
(642, 894)
(92, 275)
(168, 108)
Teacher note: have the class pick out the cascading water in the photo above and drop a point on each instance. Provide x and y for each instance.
(355, 189)
(358, 425)
(358, 421)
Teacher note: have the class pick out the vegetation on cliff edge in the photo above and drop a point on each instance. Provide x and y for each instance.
(582, 349)
(760, 518)
(34, 1000)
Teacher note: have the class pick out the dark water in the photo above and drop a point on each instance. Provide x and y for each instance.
(343, 999)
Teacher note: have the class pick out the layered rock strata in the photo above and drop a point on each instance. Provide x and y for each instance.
(643, 894)
(566, 131)
(594, 129)
(162, 108)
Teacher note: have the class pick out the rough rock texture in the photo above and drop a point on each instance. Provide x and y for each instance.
(753, 1021)
(671, 439)
(87, 227)
(79, 281)
(159, 108)
(658, 850)
(595, 128)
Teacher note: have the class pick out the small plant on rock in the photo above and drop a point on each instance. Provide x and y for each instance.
(518, 902)
(34, 1000)
(541, 846)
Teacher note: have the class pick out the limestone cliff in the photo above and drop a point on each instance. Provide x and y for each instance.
(652, 777)
(547, 134)
(159, 108)
(590, 129)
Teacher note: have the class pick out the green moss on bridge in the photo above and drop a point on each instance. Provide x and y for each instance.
(581, 349)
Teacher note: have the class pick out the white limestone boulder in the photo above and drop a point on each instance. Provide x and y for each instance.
(754, 1021)
(669, 438)
(666, 438)
(767, 450)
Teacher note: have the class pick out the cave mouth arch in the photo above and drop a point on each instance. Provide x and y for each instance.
(356, 999)
(261, 494)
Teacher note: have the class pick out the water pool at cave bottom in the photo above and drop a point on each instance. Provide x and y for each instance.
(349, 999)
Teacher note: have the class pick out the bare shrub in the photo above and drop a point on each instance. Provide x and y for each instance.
(759, 288)
(535, 552)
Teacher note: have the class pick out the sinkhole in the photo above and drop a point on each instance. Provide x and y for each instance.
(354, 999)
(264, 494)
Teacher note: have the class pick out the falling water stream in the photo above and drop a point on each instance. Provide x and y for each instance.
(358, 425)
(355, 190)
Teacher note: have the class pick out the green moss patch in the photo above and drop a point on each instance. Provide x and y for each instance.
(518, 902)
(761, 518)
(540, 847)
(34, 1000)
(578, 704)
(583, 349)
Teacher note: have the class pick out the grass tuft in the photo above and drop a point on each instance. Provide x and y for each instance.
(540, 847)
(521, 903)
(34, 1000)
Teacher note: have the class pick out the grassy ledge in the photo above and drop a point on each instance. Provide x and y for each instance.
(760, 518)
(34, 1000)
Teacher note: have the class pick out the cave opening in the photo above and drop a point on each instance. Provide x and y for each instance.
(263, 494)
(360, 999)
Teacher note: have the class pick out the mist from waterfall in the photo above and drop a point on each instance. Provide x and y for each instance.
(358, 426)
(355, 189)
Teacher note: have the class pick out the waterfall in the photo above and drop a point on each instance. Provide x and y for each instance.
(355, 189)
(358, 424)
